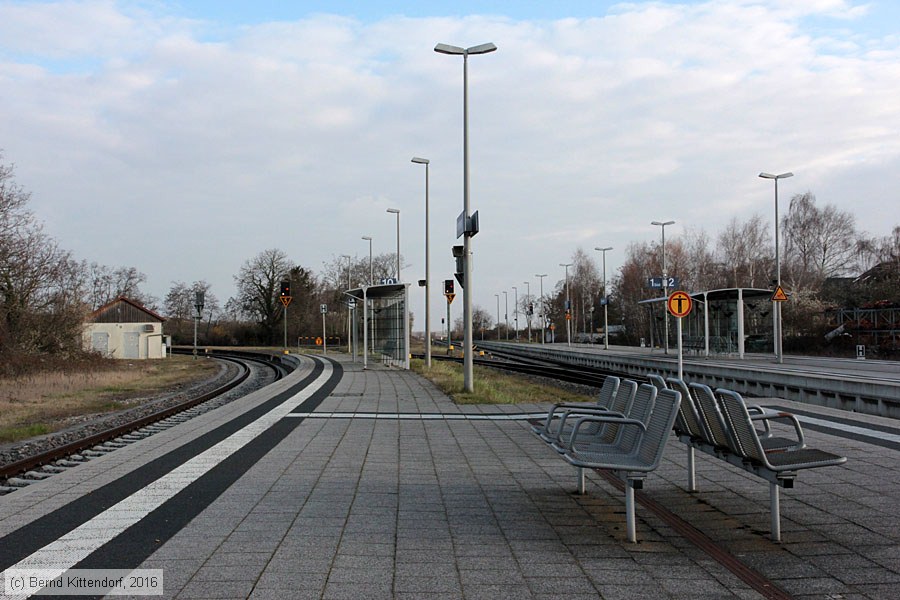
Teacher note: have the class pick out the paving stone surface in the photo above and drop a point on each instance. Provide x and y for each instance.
(388, 508)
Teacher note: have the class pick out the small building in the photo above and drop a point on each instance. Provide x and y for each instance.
(125, 329)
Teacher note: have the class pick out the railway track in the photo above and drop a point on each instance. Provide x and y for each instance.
(581, 376)
(45, 464)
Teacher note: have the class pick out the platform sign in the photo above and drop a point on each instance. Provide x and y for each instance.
(286, 300)
(323, 308)
(679, 304)
(779, 295)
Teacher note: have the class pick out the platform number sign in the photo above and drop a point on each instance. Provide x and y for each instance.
(323, 308)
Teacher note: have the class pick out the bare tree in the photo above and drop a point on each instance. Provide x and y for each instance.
(818, 243)
(744, 250)
(258, 287)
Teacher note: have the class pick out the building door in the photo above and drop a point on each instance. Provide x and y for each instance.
(132, 344)
(100, 342)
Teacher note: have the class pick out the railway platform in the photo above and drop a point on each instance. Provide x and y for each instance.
(373, 484)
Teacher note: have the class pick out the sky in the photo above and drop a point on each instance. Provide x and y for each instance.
(183, 138)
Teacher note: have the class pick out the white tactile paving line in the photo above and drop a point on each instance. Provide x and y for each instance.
(418, 416)
(62, 554)
(864, 431)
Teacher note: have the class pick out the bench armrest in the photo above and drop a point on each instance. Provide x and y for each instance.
(771, 415)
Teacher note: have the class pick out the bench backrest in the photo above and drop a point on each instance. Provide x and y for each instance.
(641, 410)
(688, 420)
(708, 409)
(608, 391)
(653, 442)
(745, 440)
(657, 381)
(620, 404)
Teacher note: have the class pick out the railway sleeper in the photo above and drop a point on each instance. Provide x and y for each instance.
(53, 469)
(36, 475)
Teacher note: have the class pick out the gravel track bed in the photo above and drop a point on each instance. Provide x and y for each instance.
(86, 425)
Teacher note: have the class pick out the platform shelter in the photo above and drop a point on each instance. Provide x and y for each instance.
(380, 323)
(724, 321)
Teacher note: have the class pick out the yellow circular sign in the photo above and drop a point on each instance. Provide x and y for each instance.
(318, 341)
(679, 304)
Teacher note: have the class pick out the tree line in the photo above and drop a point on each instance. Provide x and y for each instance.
(45, 293)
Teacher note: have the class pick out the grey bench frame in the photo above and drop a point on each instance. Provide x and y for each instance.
(729, 435)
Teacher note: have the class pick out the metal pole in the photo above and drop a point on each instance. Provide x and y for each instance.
(468, 383)
(195, 337)
(347, 256)
(605, 306)
(449, 341)
(516, 310)
(427, 163)
(365, 352)
(665, 283)
(779, 355)
(285, 327)
(527, 316)
(497, 296)
(542, 315)
(324, 337)
(680, 359)
(506, 312)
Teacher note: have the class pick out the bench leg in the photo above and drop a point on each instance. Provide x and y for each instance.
(692, 475)
(581, 487)
(775, 508)
(629, 512)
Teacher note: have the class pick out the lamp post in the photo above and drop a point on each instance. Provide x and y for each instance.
(497, 296)
(468, 383)
(527, 316)
(605, 300)
(516, 310)
(776, 308)
(349, 325)
(426, 162)
(568, 305)
(396, 211)
(506, 312)
(542, 315)
(371, 272)
(665, 277)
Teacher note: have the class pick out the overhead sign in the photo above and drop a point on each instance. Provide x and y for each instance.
(389, 281)
(679, 304)
(450, 298)
(286, 300)
(779, 295)
(657, 282)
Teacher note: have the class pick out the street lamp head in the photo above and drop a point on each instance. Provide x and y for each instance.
(420, 161)
(394, 211)
(663, 224)
(366, 237)
(479, 49)
(776, 177)
(598, 249)
(540, 275)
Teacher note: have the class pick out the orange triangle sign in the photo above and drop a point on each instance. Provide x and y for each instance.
(779, 295)
(450, 297)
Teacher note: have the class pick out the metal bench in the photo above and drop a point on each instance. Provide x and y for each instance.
(630, 465)
(557, 425)
(720, 424)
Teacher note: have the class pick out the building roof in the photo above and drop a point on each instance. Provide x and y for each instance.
(124, 310)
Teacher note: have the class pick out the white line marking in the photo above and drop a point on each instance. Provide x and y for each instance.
(75, 546)
(418, 416)
(873, 433)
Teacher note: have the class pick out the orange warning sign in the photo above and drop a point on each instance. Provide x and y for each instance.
(779, 295)
(318, 341)
(679, 304)
(286, 300)
(450, 298)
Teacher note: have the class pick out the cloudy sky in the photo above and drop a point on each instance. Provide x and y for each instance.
(183, 138)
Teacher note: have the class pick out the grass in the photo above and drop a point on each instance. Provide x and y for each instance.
(492, 386)
(47, 400)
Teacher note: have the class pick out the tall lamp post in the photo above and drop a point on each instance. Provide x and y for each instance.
(198, 304)
(541, 314)
(349, 324)
(665, 277)
(426, 162)
(506, 312)
(468, 383)
(396, 211)
(776, 308)
(497, 296)
(516, 310)
(568, 305)
(371, 272)
(527, 316)
(605, 300)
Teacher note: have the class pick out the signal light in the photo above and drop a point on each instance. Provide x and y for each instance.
(448, 286)
(285, 288)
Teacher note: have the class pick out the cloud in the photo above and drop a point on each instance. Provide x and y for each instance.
(184, 148)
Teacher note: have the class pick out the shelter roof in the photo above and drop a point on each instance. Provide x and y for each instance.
(134, 312)
(377, 291)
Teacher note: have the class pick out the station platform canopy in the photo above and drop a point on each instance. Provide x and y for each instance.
(382, 328)
(725, 321)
